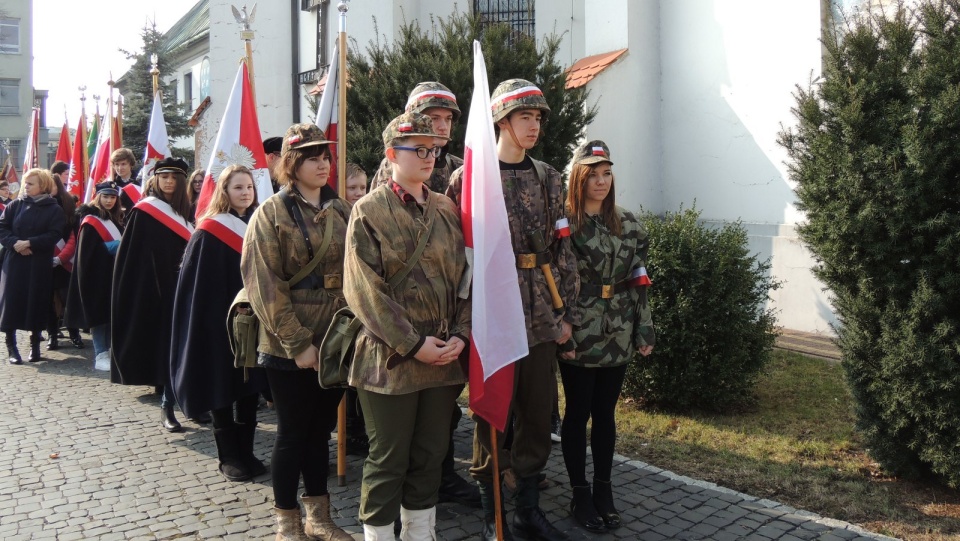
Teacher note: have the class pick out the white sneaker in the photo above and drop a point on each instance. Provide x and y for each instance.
(103, 361)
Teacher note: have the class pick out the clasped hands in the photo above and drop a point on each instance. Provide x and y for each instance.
(22, 247)
(437, 352)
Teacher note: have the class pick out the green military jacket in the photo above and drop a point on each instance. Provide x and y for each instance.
(536, 205)
(611, 330)
(382, 234)
(439, 179)
(274, 250)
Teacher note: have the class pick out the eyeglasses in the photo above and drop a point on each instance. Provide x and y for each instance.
(423, 152)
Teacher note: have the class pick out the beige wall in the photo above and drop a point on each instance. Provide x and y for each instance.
(18, 66)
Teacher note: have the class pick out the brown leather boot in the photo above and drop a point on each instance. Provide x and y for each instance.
(319, 524)
(289, 527)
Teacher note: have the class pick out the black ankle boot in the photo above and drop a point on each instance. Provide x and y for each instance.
(531, 523)
(489, 532)
(603, 502)
(35, 340)
(582, 509)
(169, 420)
(75, 338)
(228, 451)
(246, 434)
(52, 343)
(13, 353)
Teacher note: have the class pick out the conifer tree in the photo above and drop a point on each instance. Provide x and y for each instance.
(382, 78)
(138, 96)
(876, 158)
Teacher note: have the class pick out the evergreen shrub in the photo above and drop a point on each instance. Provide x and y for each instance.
(875, 154)
(714, 331)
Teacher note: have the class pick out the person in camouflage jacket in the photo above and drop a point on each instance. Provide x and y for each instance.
(405, 365)
(533, 193)
(615, 326)
(436, 101)
(293, 320)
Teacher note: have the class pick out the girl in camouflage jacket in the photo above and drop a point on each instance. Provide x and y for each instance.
(611, 250)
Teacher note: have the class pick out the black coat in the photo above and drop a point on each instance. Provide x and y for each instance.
(201, 363)
(144, 285)
(26, 282)
(88, 300)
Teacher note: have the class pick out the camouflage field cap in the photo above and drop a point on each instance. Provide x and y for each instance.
(302, 136)
(592, 152)
(431, 94)
(171, 165)
(409, 125)
(514, 94)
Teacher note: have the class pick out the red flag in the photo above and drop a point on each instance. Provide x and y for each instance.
(158, 144)
(80, 162)
(9, 173)
(63, 148)
(499, 336)
(31, 156)
(329, 110)
(238, 143)
(100, 168)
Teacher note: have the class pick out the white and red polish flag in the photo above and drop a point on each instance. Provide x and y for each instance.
(158, 144)
(639, 277)
(100, 167)
(238, 143)
(499, 336)
(329, 110)
(79, 161)
(31, 156)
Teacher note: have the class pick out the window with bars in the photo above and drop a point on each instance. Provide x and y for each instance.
(9, 96)
(9, 36)
(519, 14)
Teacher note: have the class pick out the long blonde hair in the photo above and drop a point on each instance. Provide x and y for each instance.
(220, 200)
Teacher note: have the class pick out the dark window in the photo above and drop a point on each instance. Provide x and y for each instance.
(9, 36)
(188, 88)
(519, 14)
(9, 96)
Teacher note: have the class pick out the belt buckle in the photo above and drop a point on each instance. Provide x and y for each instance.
(527, 261)
(606, 292)
(332, 281)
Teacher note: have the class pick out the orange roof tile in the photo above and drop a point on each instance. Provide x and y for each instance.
(585, 69)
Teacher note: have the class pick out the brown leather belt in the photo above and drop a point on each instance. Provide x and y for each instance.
(602, 291)
(534, 260)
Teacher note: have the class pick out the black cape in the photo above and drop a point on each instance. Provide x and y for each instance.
(201, 363)
(26, 283)
(144, 286)
(88, 299)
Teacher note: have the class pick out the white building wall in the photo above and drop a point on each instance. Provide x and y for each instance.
(729, 68)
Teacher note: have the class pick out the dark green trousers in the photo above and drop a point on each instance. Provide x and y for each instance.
(534, 389)
(408, 435)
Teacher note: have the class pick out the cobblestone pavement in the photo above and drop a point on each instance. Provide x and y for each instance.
(81, 458)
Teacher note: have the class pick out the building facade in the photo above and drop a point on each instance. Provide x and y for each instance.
(691, 96)
(16, 77)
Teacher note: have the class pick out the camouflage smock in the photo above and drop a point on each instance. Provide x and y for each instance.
(611, 330)
(439, 179)
(382, 234)
(535, 205)
(274, 250)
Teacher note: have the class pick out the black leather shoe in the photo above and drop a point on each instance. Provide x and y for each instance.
(582, 509)
(52, 343)
(489, 532)
(531, 523)
(77, 341)
(14, 355)
(34, 350)
(603, 502)
(454, 488)
(203, 418)
(169, 420)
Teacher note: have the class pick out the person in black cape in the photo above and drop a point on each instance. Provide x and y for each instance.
(145, 283)
(88, 299)
(201, 362)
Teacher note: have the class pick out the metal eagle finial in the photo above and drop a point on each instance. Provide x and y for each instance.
(242, 17)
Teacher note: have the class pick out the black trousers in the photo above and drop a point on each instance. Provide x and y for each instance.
(306, 414)
(590, 393)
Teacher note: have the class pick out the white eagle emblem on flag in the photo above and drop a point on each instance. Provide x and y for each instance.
(239, 155)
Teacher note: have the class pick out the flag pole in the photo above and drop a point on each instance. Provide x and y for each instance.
(497, 497)
(113, 144)
(155, 72)
(246, 34)
(84, 158)
(342, 192)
